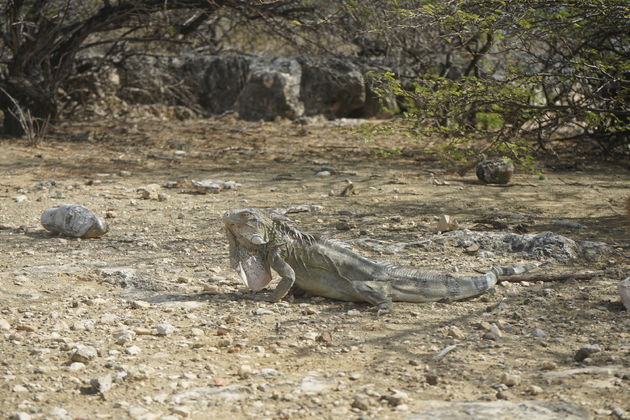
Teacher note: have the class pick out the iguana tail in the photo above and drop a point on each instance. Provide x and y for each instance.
(419, 286)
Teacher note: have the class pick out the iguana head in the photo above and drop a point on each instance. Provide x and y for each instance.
(248, 233)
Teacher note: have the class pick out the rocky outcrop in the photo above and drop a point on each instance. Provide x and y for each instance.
(271, 90)
(331, 87)
(264, 88)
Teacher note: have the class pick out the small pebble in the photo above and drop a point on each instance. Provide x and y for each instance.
(133, 350)
(165, 329)
(538, 333)
(84, 354)
(586, 351)
(510, 379)
(245, 371)
(101, 384)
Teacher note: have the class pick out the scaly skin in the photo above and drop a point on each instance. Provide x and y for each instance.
(259, 243)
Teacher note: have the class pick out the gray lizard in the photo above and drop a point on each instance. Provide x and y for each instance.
(259, 242)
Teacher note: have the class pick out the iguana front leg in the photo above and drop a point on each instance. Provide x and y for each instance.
(286, 273)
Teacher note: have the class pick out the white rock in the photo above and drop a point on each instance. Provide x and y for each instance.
(518, 410)
(124, 336)
(312, 384)
(133, 350)
(84, 354)
(101, 384)
(624, 291)
(20, 198)
(510, 379)
(244, 371)
(59, 413)
(447, 223)
(76, 366)
(165, 329)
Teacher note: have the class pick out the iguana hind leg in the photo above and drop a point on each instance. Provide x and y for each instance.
(378, 298)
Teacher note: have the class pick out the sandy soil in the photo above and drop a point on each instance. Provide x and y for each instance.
(154, 307)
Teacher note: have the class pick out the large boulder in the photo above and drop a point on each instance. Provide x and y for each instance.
(217, 80)
(271, 90)
(331, 87)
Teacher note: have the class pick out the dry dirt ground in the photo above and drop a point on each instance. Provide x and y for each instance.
(149, 321)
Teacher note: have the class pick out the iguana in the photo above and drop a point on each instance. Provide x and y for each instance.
(259, 242)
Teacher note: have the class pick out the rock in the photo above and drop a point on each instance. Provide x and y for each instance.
(74, 220)
(219, 80)
(4, 324)
(510, 379)
(331, 87)
(76, 366)
(538, 333)
(455, 332)
(534, 390)
(355, 376)
(361, 402)
(504, 395)
(586, 351)
(567, 224)
(447, 223)
(624, 291)
(124, 336)
(310, 384)
(245, 371)
(222, 393)
(181, 411)
(101, 384)
(446, 350)
(20, 198)
(495, 171)
(84, 354)
(140, 304)
(272, 90)
(494, 333)
(396, 397)
(517, 410)
(20, 415)
(164, 329)
(25, 327)
(431, 379)
(548, 365)
(348, 189)
(325, 337)
(133, 350)
(605, 371)
(59, 413)
(213, 186)
(149, 192)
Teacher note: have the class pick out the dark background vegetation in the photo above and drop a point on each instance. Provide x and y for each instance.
(512, 75)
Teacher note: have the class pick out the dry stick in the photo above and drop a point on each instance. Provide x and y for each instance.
(547, 277)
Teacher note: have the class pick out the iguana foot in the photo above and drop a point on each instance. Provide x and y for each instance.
(383, 308)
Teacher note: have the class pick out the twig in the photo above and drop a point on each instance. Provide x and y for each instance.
(548, 277)
(444, 352)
